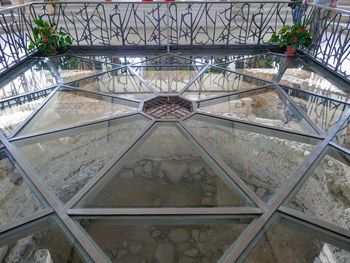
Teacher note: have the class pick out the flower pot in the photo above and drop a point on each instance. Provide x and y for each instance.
(291, 51)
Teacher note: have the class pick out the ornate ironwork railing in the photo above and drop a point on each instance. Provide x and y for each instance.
(331, 38)
(175, 24)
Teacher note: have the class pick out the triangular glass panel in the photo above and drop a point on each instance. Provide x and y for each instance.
(66, 160)
(264, 66)
(306, 75)
(71, 107)
(40, 241)
(31, 76)
(165, 170)
(14, 112)
(120, 82)
(326, 192)
(168, 74)
(17, 198)
(323, 112)
(170, 239)
(73, 68)
(216, 81)
(289, 240)
(264, 159)
(343, 136)
(265, 106)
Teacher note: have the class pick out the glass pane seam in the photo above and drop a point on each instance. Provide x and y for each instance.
(67, 128)
(93, 181)
(236, 179)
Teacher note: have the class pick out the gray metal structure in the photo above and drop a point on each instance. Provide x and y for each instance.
(176, 26)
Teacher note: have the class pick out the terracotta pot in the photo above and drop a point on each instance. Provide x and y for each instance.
(291, 51)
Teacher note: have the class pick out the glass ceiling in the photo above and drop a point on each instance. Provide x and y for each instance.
(255, 168)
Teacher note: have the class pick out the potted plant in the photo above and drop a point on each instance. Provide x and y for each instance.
(48, 40)
(293, 37)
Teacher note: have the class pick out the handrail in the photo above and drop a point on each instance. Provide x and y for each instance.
(172, 25)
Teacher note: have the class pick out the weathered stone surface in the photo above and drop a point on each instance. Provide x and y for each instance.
(174, 170)
(165, 253)
(192, 252)
(127, 174)
(3, 252)
(22, 249)
(135, 248)
(42, 256)
(179, 235)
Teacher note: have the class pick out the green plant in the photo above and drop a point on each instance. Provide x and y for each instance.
(296, 36)
(48, 40)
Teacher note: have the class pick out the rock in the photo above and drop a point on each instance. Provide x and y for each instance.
(156, 233)
(260, 192)
(148, 167)
(42, 256)
(208, 201)
(121, 253)
(203, 236)
(161, 174)
(203, 249)
(3, 252)
(328, 173)
(182, 247)
(21, 250)
(209, 188)
(197, 176)
(195, 234)
(165, 253)
(135, 248)
(193, 252)
(138, 170)
(127, 174)
(15, 178)
(179, 235)
(174, 170)
(196, 167)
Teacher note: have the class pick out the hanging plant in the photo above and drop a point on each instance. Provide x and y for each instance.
(47, 40)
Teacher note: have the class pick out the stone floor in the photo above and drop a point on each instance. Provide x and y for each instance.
(189, 187)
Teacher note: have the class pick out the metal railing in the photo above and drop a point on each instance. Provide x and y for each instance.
(174, 25)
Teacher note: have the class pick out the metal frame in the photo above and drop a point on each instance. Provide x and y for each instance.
(264, 212)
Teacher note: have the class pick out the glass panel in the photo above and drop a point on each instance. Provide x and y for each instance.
(291, 241)
(303, 74)
(70, 107)
(67, 160)
(219, 57)
(73, 68)
(343, 136)
(119, 57)
(326, 193)
(265, 66)
(32, 76)
(168, 74)
(165, 171)
(14, 112)
(263, 107)
(263, 160)
(39, 242)
(323, 112)
(170, 239)
(218, 81)
(120, 82)
(17, 199)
